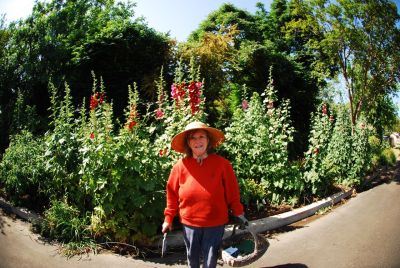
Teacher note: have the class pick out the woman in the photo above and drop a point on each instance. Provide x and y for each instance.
(202, 187)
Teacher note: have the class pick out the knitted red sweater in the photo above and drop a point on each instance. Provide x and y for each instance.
(202, 193)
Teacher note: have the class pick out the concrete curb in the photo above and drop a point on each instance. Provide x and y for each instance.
(274, 222)
(23, 213)
(258, 226)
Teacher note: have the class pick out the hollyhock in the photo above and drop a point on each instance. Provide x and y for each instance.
(178, 92)
(324, 109)
(96, 99)
(194, 96)
(245, 104)
(159, 114)
(163, 152)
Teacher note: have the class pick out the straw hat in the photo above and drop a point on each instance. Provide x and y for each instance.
(216, 135)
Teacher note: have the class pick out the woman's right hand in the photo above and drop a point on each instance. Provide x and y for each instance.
(166, 227)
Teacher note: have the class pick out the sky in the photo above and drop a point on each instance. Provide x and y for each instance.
(178, 17)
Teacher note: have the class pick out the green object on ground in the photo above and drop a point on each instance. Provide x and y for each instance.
(245, 247)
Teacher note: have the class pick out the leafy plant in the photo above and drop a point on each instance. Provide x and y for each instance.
(314, 170)
(387, 157)
(257, 144)
(22, 170)
(361, 153)
(64, 223)
(62, 159)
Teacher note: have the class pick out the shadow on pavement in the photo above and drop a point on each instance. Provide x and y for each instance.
(288, 265)
(4, 213)
(396, 177)
(173, 256)
(287, 228)
(384, 174)
(2, 222)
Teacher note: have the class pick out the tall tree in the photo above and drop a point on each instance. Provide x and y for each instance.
(361, 37)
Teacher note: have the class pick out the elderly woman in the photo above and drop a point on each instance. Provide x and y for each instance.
(202, 188)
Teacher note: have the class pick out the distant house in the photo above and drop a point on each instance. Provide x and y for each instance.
(394, 140)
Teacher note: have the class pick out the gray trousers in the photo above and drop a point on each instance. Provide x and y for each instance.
(202, 241)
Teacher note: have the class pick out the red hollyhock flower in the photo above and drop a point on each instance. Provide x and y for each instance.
(324, 109)
(194, 96)
(159, 114)
(131, 124)
(96, 99)
(162, 152)
(93, 102)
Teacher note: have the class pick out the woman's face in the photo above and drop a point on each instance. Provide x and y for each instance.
(198, 142)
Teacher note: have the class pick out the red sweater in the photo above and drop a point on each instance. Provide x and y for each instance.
(202, 193)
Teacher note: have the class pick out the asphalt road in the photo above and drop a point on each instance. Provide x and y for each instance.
(363, 232)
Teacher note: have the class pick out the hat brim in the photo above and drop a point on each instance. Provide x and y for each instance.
(178, 142)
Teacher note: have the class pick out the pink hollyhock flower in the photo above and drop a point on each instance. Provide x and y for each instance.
(245, 104)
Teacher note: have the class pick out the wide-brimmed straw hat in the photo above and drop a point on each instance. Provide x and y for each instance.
(216, 136)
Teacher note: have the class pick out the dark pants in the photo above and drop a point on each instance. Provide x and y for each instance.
(205, 241)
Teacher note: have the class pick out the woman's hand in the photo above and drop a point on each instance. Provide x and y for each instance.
(243, 222)
(166, 227)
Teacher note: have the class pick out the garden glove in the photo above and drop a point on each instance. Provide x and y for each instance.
(242, 221)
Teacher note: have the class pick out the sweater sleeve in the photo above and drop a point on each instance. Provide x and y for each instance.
(232, 192)
(172, 194)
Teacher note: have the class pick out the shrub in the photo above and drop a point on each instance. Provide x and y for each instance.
(62, 158)
(361, 154)
(120, 175)
(314, 170)
(64, 223)
(338, 160)
(22, 170)
(387, 157)
(257, 143)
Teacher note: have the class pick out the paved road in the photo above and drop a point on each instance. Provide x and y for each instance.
(364, 232)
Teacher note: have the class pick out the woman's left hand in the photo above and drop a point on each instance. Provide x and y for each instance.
(243, 222)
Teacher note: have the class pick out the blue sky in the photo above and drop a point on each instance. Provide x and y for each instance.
(179, 17)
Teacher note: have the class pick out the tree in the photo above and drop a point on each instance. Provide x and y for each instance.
(5, 105)
(361, 38)
(215, 46)
(66, 40)
(215, 52)
(241, 48)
